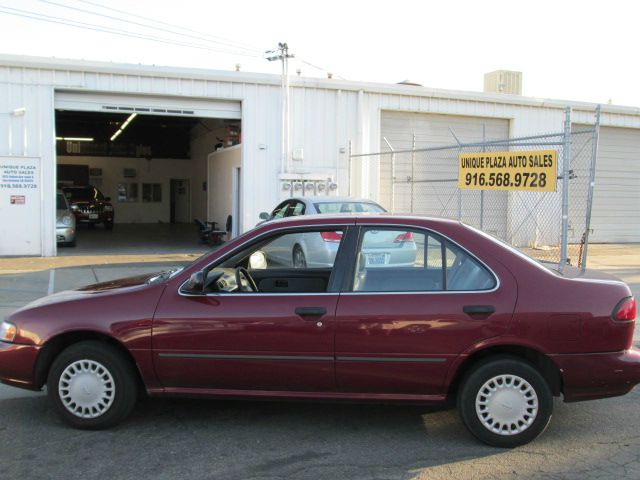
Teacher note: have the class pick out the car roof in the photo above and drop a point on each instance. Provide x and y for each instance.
(78, 187)
(327, 198)
(360, 217)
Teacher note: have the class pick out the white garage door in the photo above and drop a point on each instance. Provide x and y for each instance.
(438, 196)
(616, 203)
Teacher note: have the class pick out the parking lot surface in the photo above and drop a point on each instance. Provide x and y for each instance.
(198, 439)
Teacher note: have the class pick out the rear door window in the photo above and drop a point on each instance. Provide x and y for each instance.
(411, 260)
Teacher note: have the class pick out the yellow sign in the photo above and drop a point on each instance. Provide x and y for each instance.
(533, 170)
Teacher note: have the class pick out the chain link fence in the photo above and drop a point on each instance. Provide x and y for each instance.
(549, 226)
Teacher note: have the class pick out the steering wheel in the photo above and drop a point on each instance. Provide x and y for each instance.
(243, 272)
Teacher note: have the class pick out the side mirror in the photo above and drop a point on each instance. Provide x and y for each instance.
(258, 260)
(107, 199)
(264, 216)
(195, 283)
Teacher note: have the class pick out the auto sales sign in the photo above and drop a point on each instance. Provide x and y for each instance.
(534, 170)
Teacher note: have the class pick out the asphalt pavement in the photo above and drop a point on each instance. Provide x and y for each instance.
(261, 440)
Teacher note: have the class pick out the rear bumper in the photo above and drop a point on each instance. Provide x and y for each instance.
(17, 364)
(598, 375)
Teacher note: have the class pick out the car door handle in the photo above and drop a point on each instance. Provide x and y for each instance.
(478, 309)
(311, 311)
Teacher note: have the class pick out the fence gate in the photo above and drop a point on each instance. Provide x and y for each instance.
(550, 226)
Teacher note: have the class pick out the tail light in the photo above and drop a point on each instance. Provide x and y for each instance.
(331, 236)
(404, 237)
(625, 310)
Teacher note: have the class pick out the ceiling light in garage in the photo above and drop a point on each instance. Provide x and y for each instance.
(124, 125)
(75, 139)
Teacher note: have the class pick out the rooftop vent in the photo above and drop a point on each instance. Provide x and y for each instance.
(409, 82)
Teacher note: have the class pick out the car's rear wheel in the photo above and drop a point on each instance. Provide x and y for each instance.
(92, 385)
(299, 259)
(505, 402)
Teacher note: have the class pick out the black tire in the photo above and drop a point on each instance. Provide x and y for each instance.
(108, 225)
(298, 257)
(70, 244)
(125, 387)
(510, 366)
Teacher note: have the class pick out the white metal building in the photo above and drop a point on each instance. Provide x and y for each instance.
(326, 115)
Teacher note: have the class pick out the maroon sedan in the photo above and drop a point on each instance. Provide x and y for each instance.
(470, 320)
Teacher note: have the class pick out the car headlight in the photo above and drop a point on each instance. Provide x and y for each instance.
(108, 208)
(74, 207)
(8, 331)
(67, 220)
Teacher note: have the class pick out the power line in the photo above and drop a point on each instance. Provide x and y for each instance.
(114, 31)
(320, 68)
(147, 25)
(160, 22)
(240, 49)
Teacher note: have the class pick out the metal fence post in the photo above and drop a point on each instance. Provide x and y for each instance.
(413, 168)
(484, 149)
(393, 175)
(566, 159)
(350, 173)
(592, 183)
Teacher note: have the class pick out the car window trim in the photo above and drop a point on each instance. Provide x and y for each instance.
(349, 281)
(333, 283)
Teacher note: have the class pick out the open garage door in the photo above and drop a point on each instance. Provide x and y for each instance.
(147, 105)
(135, 169)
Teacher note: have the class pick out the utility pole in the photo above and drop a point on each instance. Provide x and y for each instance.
(282, 53)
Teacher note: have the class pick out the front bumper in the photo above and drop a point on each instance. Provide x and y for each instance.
(65, 234)
(98, 217)
(598, 375)
(17, 364)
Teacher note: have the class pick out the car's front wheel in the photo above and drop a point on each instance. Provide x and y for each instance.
(92, 385)
(505, 402)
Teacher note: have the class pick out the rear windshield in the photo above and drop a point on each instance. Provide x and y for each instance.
(550, 266)
(61, 202)
(348, 207)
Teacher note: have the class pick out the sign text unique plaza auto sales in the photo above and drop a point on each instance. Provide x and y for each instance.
(18, 176)
(534, 170)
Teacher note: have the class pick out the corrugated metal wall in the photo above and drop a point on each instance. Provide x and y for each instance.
(325, 116)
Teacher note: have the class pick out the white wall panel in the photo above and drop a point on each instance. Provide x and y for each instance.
(325, 116)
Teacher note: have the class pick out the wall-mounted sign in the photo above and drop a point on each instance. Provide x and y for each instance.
(534, 170)
(20, 199)
(19, 174)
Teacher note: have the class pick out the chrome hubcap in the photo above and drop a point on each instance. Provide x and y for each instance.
(86, 389)
(507, 404)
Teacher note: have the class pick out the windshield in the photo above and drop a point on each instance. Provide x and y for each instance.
(349, 207)
(61, 202)
(82, 194)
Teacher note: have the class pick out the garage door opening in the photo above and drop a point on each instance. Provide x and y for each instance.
(135, 182)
